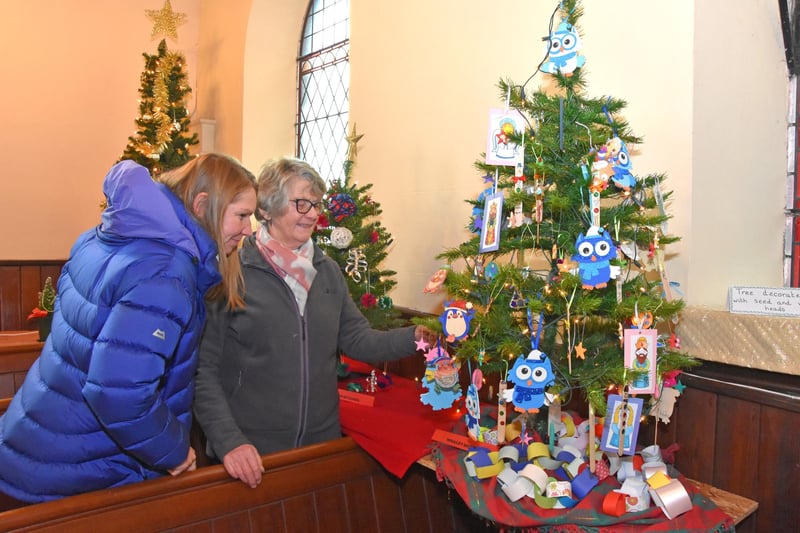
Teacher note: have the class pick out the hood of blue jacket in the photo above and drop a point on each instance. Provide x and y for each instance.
(138, 208)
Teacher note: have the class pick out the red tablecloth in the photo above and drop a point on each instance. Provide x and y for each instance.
(397, 429)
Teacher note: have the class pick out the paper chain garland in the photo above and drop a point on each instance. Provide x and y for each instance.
(560, 481)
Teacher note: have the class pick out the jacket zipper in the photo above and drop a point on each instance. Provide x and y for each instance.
(304, 357)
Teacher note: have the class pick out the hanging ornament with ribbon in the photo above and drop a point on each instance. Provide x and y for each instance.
(356, 264)
(531, 375)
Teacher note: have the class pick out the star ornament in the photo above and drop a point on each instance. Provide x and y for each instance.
(165, 21)
(352, 142)
(580, 351)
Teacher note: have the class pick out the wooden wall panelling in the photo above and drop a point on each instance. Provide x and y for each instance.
(20, 283)
(10, 295)
(779, 465)
(695, 418)
(736, 455)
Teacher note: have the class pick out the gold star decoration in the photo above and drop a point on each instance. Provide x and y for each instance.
(580, 351)
(352, 141)
(165, 21)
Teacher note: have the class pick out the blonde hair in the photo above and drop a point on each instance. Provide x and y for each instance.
(223, 178)
(273, 184)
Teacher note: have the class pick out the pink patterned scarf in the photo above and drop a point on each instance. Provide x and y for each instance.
(294, 266)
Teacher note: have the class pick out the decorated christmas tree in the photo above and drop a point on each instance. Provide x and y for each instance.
(351, 233)
(162, 140)
(562, 290)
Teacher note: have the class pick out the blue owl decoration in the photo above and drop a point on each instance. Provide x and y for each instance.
(455, 319)
(622, 166)
(563, 51)
(595, 251)
(531, 376)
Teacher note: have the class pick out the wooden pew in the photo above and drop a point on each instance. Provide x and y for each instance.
(328, 487)
(18, 351)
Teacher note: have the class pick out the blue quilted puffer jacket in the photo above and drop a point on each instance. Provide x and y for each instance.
(108, 401)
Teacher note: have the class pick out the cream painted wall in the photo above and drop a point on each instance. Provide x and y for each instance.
(220, 77)
(270, 87)
(69, 80)
(705, 82)
(739, 168)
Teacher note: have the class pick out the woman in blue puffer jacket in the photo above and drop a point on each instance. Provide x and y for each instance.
(108, 401)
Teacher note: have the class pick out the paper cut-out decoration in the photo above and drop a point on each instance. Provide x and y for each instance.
(455, 319)
(492, 222)
(473, 416)
(500, 147)
(440, 380)
(622, 166)
(436, 281)
(640, 355)
(531, 376)
(665, 405)
(564, 45)
(595, 250)
(621, 425)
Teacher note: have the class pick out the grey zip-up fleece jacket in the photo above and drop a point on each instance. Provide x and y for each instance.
(267, 374)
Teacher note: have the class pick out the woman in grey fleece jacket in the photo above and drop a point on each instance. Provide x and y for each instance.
(267, 378)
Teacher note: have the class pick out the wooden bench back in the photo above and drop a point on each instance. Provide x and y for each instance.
(333, 486)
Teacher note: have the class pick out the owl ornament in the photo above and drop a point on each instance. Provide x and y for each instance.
(531, 376)
(455, 319)
(562, 54)
(621, 165)
(595, 251)
(440, 380)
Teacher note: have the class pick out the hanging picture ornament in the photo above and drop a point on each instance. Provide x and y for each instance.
(563, 47)
(477, 211)
(473, 416)
(595, 251)
(341, 206)
(341, 237)
(356, 264)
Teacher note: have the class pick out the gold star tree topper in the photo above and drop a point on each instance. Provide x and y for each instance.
(165, 21)
(352, 142)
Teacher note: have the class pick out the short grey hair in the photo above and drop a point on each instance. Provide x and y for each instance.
(273, 184)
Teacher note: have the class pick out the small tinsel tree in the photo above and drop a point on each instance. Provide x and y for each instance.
(162, 139)
(351, 233)
(537, 287)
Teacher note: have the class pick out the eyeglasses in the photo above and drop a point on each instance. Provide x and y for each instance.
(303, 206)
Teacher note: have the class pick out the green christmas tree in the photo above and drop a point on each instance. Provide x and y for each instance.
(351, 233)
(568, 186)
(162, 140)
